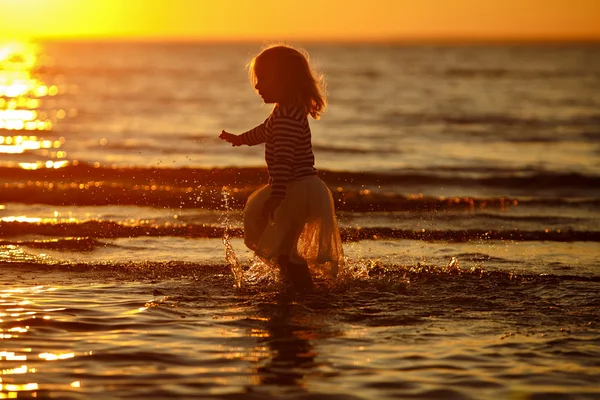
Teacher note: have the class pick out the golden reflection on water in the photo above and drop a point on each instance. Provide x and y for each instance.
(21, 218)
(54, 357)
(22, 96)
(15, 308)
(19, 370)
(16, 253)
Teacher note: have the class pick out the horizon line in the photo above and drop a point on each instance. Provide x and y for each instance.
(330, 40)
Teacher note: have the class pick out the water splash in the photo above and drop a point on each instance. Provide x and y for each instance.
(260, 274)
(230, 256)
(453, 265)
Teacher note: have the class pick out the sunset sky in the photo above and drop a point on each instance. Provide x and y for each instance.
(309, 19)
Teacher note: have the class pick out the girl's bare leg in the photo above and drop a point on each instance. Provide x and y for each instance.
(294, 275)
(284, 270)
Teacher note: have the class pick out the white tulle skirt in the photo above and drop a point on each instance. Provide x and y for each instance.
(304, 227)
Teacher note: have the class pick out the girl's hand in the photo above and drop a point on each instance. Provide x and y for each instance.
(268, 211)
(235, 140)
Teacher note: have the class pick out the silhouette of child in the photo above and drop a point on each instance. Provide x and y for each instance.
(291, 222)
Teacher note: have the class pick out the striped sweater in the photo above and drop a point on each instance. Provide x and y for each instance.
(288, 149)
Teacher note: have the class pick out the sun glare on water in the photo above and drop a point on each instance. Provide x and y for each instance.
(22, 115)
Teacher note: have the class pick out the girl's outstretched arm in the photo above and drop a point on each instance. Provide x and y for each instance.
(256, 135)
(235, 140)
(252, 137)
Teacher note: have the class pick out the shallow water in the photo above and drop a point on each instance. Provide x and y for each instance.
(164, 330)
(466, 184)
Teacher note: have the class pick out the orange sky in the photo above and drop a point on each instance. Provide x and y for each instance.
(297, 19)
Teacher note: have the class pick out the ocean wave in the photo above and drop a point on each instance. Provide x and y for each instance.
(80, 244)
(80, 235)
(351, 150)
(504, 120)
(85, 184)
(549, 220)
(494, 73)
(113, 71)
(152, 194)
(367, 270)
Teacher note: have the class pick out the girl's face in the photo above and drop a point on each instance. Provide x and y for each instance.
(266, 87)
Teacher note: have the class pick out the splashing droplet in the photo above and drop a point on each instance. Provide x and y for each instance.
(230, 256)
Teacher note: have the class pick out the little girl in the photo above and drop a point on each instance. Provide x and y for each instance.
(290, 223)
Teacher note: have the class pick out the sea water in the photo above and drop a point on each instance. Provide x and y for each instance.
(466, 181)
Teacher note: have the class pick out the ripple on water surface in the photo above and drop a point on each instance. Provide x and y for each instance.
(391, 331)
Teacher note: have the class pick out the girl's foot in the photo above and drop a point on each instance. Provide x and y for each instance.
(295, 276)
